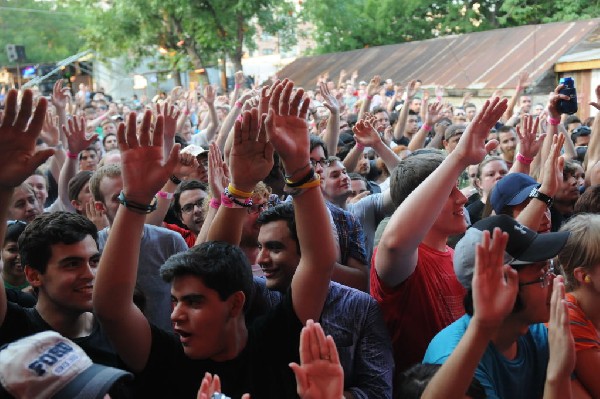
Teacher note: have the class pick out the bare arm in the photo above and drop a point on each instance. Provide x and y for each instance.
(432, 116)
(593, 151)
(372, 89)
(351, 159)
(143, 174)
(18, 156)
(397, 255)
(401, 122)
(521, 85)
(367, 136)
(529, 144)
(332, 132)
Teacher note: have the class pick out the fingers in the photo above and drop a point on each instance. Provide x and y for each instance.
(35, 126)
(284, 101)
(25, 110)
(131, 140)
(144, 138)
(304, 109)
(295, 104)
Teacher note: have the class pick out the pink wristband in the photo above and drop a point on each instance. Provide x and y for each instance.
(369, 97)
(553, 121)
(165, 195)
(359, 146)
(523, 159)
(237, 85)
(71, 155)
(215, 203)
(238, 104)
(426, 127)
(240, 118)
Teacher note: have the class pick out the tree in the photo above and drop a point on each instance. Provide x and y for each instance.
(187, 32)
(44, 28)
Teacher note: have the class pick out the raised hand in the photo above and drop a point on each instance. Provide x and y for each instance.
(144, 172)
(186, 165)
(218, 174)
(522, 80)
(434, 114)
(265, 97)
(18, 156)
(211, 385)
(529, 144)
(560, 339)
(75, 134)
(472, 147)
(287, 128)
(170, 116)
(495, 285)
(176, 93)
(96, 214)
(50, 133)
(373, 86)
(439, 92)
(239, 78)
(365, 134)
(320, 375)
(329, 100)
(553, 100)
(60, 95)
(209, 94)
(411, 89)
(553, 168)
(251, 157)
(597, 103)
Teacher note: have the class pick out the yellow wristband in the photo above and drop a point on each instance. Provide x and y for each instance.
(239, 193)
(313, 183)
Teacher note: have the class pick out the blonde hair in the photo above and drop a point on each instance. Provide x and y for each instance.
(582, 248)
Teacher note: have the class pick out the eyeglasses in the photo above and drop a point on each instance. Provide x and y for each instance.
(187, 208)
(258, 208)
(323, 162)
(544, 281)
(13, 222)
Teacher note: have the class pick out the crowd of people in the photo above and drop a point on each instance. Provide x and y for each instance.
(358, 240)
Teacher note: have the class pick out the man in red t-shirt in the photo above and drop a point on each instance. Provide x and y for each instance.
(188, 205)
(412, 276)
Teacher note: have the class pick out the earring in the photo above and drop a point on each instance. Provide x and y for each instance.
(587, 279)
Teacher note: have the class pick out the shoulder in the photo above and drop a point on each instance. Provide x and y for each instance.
(161, 234)
(443, 344)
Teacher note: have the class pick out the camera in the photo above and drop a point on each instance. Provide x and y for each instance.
(568, 106)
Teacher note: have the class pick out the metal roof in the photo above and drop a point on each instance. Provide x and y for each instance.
(476, 61)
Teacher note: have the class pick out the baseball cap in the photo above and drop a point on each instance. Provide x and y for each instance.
(48, 365)
(453, 130)
(512, 189)
(524, 246)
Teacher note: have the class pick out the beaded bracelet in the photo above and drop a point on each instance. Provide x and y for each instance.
(230, 201)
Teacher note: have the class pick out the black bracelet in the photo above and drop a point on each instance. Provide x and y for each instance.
(247, 204)
(176, 180)
(134, 206)
(300, 182)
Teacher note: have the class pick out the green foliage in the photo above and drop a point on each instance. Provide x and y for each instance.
(353, 24)
(47, 31)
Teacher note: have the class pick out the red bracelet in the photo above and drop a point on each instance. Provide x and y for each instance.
(71, 155)
(239, 104)
(165, 195)
(426, 127)
(523, 159)
(215, 203)
(553, 121)
(369, 97)
(359, 146)
(237, 85)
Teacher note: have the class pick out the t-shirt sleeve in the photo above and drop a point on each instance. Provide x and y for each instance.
(583, 330)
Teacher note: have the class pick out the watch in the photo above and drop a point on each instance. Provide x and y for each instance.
(535, 193)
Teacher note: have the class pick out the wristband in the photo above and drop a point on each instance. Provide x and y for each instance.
(136, 207)
(300, 169)
(240, 118)
(165, 195)
(215, 203)
(523, 159)
(553, 121)
(535, 193)
(296, 191)
(239, 104)
(300, 182)
(176, 180)
(237, 85)
(238, 193)
(426, 127)
(369, 97)
(71, 155)
(359, 146)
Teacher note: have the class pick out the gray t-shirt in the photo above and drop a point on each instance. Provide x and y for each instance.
(158, 244)
(369, 211)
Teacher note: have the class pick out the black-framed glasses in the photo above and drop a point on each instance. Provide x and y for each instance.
(323, 162)
(545, 280)
(258, 208)
(187, 208)
(13, 222)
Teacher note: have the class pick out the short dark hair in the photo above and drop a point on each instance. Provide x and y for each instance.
(316, 141)
(589, 202)
(411, 172)
(90, 148)
(109, 134)
(379, 109)
(77, 183)
(221, 267)
(14, 230)
(48, 229)
(284, 211)
(186, 185)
